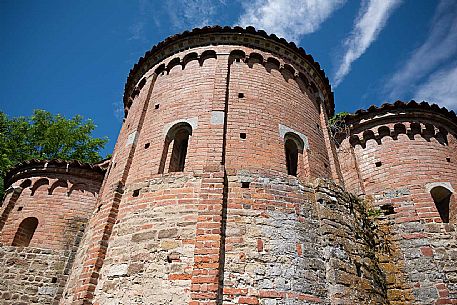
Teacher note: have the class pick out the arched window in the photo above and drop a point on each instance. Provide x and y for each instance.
(442, 198)
(178, 137)
(25, 232)
(293, 145)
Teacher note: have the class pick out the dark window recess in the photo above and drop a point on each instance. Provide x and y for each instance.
(318, 126)
(378, 164)
(147, 145)
(178, 138)
(237, 60)
(99, 208)
(178, 155)
(442, 199)
(19, 208)
(240, 95)
(243, 135)
(291, 157)
(54, 280)
(156, 106)
(136, 193)
(245, 184)
(25, 232)
(358, 269)
(325, 165)
(142, 83)
(387, 209)
(448, 159)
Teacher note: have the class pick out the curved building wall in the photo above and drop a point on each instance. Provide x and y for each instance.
(60, 201)
(396, 157)
(161, 236)
(43, 216)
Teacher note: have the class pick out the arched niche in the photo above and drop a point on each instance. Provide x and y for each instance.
(25, 232)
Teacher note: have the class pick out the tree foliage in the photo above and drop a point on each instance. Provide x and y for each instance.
(338, 118)
(46, 136)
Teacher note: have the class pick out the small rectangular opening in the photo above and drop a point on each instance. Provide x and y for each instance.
(136, 193)
(240, 95)
(243, 135)
(358, 269)
(156, 106)
(387, 209)
(245, 184)
(54, 280)
(448, 159)
(19, 208)
(146, 146)
(378, 164)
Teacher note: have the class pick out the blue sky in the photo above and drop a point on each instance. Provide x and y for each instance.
(73, 57)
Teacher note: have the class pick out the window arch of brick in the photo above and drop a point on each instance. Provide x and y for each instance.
(293, 147)
(442, 199)
(25, 232)
(175, 147)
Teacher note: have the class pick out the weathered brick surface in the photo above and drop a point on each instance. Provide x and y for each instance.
(233, 227)
(152, 244)
(205, 93)
(60, 211)
(62, 197)
(413, 150)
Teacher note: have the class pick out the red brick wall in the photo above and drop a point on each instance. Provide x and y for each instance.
(399, 185)
(406, 161)
(180, 215)
(59, 214)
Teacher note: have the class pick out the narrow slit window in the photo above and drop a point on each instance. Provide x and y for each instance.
(442, 198)
(25, 232)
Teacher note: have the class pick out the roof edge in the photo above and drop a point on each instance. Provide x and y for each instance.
(374, 110)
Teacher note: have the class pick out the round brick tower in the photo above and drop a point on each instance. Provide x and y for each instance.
(208, 196)
(403, 157)
(43, 216)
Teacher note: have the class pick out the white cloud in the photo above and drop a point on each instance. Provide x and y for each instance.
(118, 110)
(440, 88)
(371, 20)
(440, 46)
(188, 14)
(287, 18)
(136, 31)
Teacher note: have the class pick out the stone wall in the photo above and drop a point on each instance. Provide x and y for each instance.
(289, 243)
(32, 275)
(421, 269)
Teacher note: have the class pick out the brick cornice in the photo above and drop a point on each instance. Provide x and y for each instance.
(215, 35)
(36, 167)
(402, 109)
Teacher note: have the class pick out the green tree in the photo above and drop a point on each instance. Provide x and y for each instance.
(46, 136)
